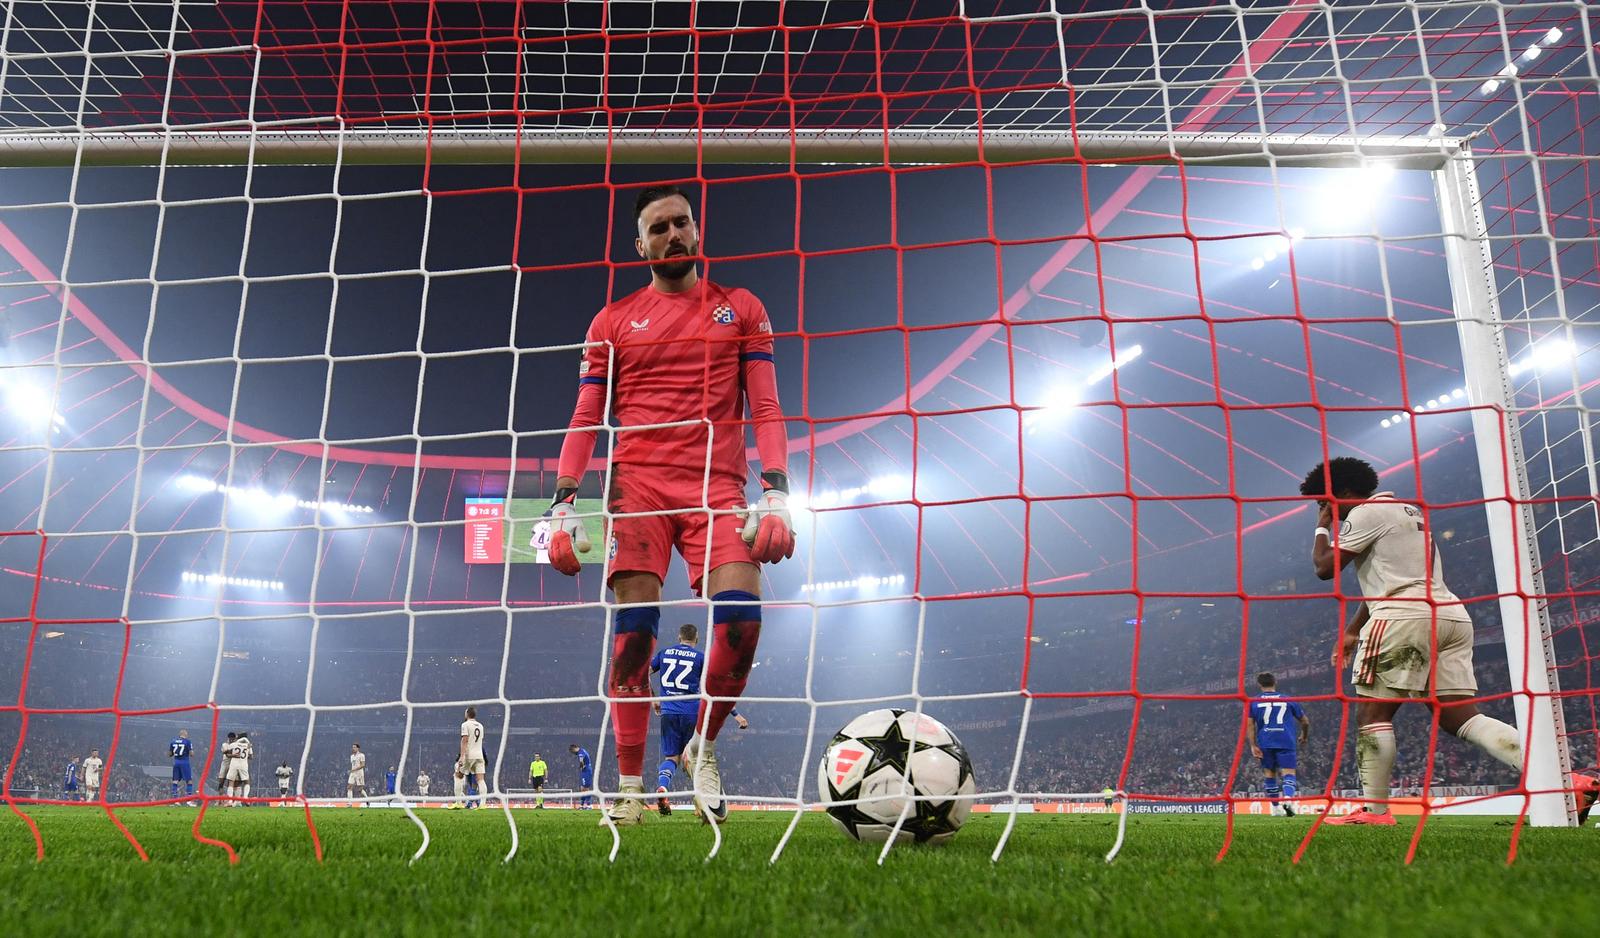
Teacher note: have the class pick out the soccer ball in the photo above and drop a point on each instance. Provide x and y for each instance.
(872, 762)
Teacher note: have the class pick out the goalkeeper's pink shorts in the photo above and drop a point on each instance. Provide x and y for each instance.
(645, 544)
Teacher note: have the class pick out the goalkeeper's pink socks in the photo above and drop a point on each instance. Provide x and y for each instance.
(736, 627)
(630, 677)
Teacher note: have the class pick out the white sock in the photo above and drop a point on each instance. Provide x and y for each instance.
(1494, 737)
(708, 747)
(630, 782)
(461, 788)
(1375, 759)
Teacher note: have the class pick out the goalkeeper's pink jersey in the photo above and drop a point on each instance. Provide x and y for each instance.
(672, 357)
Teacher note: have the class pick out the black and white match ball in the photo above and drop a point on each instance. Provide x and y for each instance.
(872, 764)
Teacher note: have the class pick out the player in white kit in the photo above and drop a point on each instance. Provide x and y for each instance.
(1411, 639)
(472, 749)
(357, 781)
(222, 767)
(91, 775)
(240, 752)
(423, 781)
(284, 775)
(458, 781)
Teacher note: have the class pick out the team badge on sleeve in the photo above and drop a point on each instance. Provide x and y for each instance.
(723, 315)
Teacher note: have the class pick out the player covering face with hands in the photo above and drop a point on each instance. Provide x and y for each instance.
(683, 357)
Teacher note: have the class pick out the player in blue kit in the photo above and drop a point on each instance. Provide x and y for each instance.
(179, 749)
(680, 667)
(585, 773)
(1274, 742)
(69, 784)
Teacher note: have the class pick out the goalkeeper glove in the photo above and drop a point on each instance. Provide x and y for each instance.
(767, 528)
(566, 531)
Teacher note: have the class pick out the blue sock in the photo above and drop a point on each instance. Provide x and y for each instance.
(664, 773)
(1290, 786)
(1272, 790)
(189, 788)
(174, 789)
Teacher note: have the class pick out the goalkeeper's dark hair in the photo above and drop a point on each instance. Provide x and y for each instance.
(687, 632)
(651, 194)
(1265, 680)
(1348, 475)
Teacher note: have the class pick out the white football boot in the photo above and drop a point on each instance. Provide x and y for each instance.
(701, 761)
(628, 809)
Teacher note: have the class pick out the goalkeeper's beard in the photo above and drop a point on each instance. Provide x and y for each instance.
(669, 269)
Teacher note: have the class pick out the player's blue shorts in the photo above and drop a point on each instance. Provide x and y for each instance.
(586, 779)
(1277, 758)
(676, 728)
(70, 786)
(181, 771)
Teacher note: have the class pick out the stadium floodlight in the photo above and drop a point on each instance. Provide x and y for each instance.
(1351, 195)
(1433, 403)
(31, 404)
(221, 579)
(892, 486)
(262, 499)
(1544, 355)
(860, 583)
(1066, 397)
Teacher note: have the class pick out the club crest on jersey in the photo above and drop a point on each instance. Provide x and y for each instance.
(722, 315)
(640, 325)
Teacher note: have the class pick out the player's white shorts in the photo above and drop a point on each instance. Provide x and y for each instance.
(357, 779)
(238, 770)
(422, 790)
(91, 781)
(474, 766)
(1392, 658)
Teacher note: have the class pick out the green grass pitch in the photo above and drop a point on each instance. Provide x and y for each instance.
(1051, 879)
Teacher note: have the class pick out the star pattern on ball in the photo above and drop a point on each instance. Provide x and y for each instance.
(890, 748)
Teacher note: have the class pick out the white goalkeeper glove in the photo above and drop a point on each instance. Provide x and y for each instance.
(566, 532)
(767, 526)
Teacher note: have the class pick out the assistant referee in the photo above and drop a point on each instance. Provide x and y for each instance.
(537, 773)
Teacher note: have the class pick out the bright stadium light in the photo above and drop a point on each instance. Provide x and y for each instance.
(262, 499)
(1351, 195)
(31, 403)
(1545, 355)
(1433, 403)
(879, 488)
(858, 583)
(1064, 397)
(219, 579)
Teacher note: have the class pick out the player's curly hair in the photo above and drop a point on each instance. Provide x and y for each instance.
(651, 194)
(1349, 476)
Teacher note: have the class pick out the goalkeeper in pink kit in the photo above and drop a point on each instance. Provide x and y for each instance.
(680, 357)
